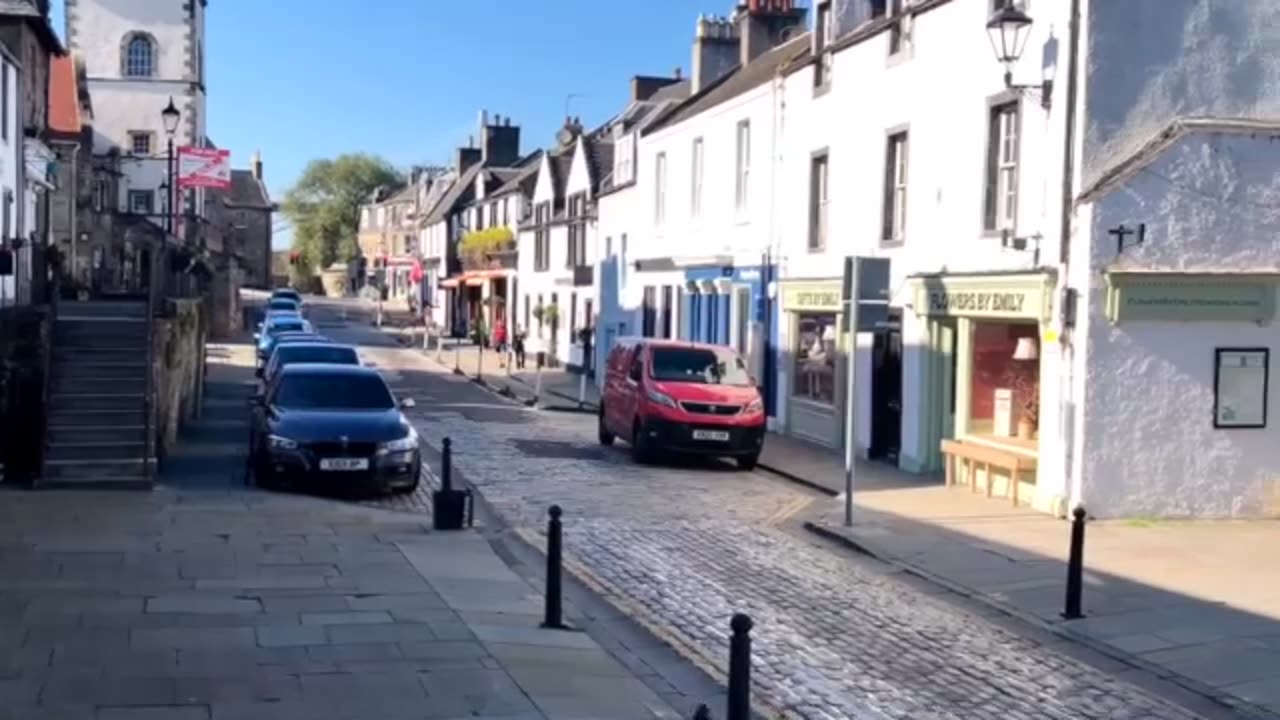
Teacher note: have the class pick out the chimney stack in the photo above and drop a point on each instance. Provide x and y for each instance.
(643, 86)
(715, 50)
(500, 142)
(256, 164)
(763, 25)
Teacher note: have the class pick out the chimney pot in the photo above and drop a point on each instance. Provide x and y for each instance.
(676, 74)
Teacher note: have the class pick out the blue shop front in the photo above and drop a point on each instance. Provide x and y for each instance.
(730, 305)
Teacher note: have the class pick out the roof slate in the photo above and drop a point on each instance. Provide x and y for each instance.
(737, 82)
(459, 192)
(247, 191)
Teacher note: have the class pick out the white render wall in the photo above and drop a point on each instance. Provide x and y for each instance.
(96, 31)
(938, 90)
(10, 159)
(1149, 448)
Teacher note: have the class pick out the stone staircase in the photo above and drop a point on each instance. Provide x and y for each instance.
(97, 419)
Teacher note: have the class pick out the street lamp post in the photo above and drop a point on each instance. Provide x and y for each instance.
(171, 116)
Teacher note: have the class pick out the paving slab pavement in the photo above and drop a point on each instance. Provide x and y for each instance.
(207, 599)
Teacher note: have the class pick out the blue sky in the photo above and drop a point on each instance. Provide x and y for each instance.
(406, 79)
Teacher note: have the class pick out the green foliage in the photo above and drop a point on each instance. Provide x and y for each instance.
(324, 207)
(476, 245)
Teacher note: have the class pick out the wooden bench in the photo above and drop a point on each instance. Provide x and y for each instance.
(975, 454)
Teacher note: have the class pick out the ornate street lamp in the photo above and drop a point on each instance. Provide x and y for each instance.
(170, 115)
(1009, 29)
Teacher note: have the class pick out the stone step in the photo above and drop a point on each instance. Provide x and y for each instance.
(107, 433)
(90, 368)
(97, 472)
(76, 383)
(103, 308)
(100, 336)
(113, 355)
(97, 401)
(80, 417)
(97, 451)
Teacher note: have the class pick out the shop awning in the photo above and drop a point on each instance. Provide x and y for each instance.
(475, 278)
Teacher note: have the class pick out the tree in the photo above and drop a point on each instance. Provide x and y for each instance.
(324, 207)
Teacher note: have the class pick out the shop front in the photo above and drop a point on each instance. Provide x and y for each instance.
(812, 360)
(986, 347)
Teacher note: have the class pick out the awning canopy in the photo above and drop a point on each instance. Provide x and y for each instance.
(474, 278)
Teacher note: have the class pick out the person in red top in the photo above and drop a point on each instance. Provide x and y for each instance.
(500, 339)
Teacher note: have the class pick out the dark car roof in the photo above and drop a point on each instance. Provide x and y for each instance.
(318, 343)
(286, 292)
(329, 369)
(300, 336)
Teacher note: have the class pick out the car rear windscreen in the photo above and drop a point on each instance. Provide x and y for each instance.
(699, 365)
(284, 327)
(331, 391)
(328, 355)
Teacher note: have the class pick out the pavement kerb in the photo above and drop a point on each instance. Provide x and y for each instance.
(610, 594)
(1226, 701)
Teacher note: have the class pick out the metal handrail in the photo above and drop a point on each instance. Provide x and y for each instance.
(55, 290)
(153, 287)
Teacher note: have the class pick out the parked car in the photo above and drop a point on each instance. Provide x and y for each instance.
(283, 304)
(287, 294)
(681, 397)
(335, 425)
(272, 315)
(306, 350)
(276, 326)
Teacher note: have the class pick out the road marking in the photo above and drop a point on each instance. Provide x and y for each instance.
(788, 511)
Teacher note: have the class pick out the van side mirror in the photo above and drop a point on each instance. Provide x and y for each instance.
(258, 372)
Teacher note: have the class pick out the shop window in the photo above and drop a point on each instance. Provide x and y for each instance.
(1005, 398)
(815, 357)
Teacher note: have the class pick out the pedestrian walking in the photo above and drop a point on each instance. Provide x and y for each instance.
(517, 346)
(500, 340)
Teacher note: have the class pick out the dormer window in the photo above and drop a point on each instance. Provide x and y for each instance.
(139, 59)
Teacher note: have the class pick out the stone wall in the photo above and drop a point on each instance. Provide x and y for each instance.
(178, 367)
(23, 341)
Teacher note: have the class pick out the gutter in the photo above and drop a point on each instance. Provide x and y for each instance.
(1069, 155)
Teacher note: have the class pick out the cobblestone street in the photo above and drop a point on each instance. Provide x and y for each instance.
(682, 548)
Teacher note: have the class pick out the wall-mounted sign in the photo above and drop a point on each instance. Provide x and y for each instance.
(1240, 379)
(984, 296)
(1191, 298)
(811, 295)
(204, 167)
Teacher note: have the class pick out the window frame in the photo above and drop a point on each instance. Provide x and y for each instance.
(819, 199)
(660, 188)
(135, 136)
(140, 66)
(1004, 134)
(897, 158)
(742, 165)
(697, 157)
(823, 37)
(150, 196)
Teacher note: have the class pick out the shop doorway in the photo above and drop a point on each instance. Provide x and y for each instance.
(886, 390)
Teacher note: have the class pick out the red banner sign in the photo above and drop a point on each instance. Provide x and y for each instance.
(204, 167)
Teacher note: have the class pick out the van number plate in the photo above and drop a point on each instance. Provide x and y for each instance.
(717, 435)
(344, 464)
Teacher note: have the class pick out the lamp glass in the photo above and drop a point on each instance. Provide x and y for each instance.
(1009, 28)
(1026, 349)
(171, 116)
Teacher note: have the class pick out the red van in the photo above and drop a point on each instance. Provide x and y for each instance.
(681, 397)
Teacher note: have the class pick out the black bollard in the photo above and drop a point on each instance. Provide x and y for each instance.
(702, 713)
(1075, 567)
(740, 668)
(553, 618)
(448, 506)
(446, 465)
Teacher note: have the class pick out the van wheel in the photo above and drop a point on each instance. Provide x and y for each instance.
(602, 431)
(747, 462)
(639, 446)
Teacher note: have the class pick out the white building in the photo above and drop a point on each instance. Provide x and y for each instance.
(618, 208)
(12, 153)
(700, 249)
(1098, 368)
(137, 55)
(558, 247)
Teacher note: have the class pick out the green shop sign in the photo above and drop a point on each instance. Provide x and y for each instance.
(1190, 298)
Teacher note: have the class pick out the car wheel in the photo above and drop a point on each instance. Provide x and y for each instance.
(639, 445)
(602, 431)
(747, 462)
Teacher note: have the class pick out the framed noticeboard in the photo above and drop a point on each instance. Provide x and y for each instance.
(1240, 386)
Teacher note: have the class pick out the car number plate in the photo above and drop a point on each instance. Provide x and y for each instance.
(344, 464)
(718, 435)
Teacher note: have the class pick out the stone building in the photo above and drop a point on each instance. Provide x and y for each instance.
(250, 215)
